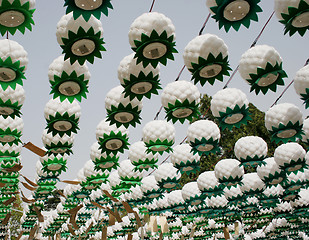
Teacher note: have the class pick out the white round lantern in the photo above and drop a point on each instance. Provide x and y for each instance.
(252, 184)
(128, 175)
(180, 100)
(234, 195)
(231, 107)
(138, 81)
(305, 137)
(167, 176)
(10, 130)
(150, 187)
(121, 110)
(270, 196)
(270, 172)
(209, 184)
(11, 101)
(284, 122)
(261, 67)
(54, 164)
(176, 200)
(152, 38)
(301, 84)
(206, 57)
(191, 193)
(292, 184)
(229, 172)
(80, 40)
(159, 136)
(57, 144)
(94, 177)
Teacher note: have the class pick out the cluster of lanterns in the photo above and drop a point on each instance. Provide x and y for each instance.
(112, 199)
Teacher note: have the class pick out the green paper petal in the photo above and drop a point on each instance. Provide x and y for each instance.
(10, 137)
(59, 148)
(156, 146)
(296, 128)
(169, 184)
(133, 111)
(9, 109)
(65, 117)
(54, 165)
(305, 98)
(108, 147)
(205, 146)
(188, 167)
(145, 164)
(106, 163)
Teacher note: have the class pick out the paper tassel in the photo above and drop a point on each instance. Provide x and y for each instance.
(226, 233)
(29, 181)
(163, 224)
(38, 151)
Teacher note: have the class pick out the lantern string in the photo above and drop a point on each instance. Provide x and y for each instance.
(153, 2)
(252, 45)
(287, 87)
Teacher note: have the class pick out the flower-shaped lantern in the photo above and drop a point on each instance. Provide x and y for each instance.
(204, 136)
(94, 178)
(152, 38)
(138, 81)
(294, 15)
(206, 57)
(191, 193)
(270, 172)
(127, 174)
(301, 204)
(284, 122)
(10, 130)
(150, 188)
(57, 144)
(184, 160)
(234, 195)
(209, 184)
(250, 150)
(231, 107)
(229, 172)
(11, 101)
(167, 176)
(10, 150)
(88, 8)
(159, 136)
(16, 15)
(176, 201)
(234, 13)
(305, 137)
(261, 67)
(180, 100)
(46, 182)
(271, 196)
(121, 110)
(218, 204)
(68, 81)
(301, 84)
(140, 158)
(80, 40)
(54, 164)
(292, 184)
(62, 117)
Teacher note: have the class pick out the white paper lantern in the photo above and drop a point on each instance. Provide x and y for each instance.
(209, 184)
(11, 101)
(270, 196)
(152, 38)
(11, 130)
(191, 193)
(305, 137)
(301, 84)
(176, 200)
(252, 184)
(270, 172)
(180, 100)
(292, 184)
(94, 177)
(229, 172)
(150, 187)
(167, 176)
(234, 195)
(128, 175)
(57, 144)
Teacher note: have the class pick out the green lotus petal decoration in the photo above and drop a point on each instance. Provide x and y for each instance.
(213, 192)
(274, 179)
(124, 115)
(234, 117)
(47, 181)
(169, 184)
(131, 181)
(195, 200)
(45, 189)
(165, 42)
(267, 78)
(7, 153)
(55, 166)
(290, 19)
(113, 142)
(151, 194)
(69, 87)
(294, 166)
(98, 179)
(9, 109)
(285, 133)
(21, 12)
(141, 86)
(159, 146)
(145, 164)
(253, 162)
(219, 14)
(9, 181)
(121, 188)
(10, 137)
(106, 163)
(210, 69)
(96, 11)
(267, 202)
(205, 146)
(305, 98)
(230, 181)
(9, 189)
(188, 167)
(85, 53)
(181, 111)
(81, 194)
(8, 162)
(58, 124)
(59, 148)
(290, 195)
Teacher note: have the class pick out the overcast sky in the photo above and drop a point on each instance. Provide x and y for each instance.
(188, 17)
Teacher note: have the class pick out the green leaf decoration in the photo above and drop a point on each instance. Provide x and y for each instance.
(197, 69)
(252, 162)
(195, 200)
(18, 70)
(62, 118)
(54, 165)
(188, 167)
(77, 11)
(80, 35)
(262, 73)
(293, 13)
(9, 154)
(205, 146)
(106, 142)
(169, 184)
(145, 164)
(24, 10)
(59, 148)
(181, 111)
(10, 137)
(97, 180)
(213, 192)
(305, 98)
(133, 111)
(151, 194)
(274, 179)
(81, 194)
(227, 24)
(106, 163)
(57, 82)
(47, 181)
(296, 133)
(154, 37)
(9, 109)
(131, 91)
(290, 195)
(244, 111)
(131, 181)
(294, 166)
(267, 202)
(230, 181)
(156, 146)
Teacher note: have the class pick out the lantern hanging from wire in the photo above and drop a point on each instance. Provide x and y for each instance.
(176, 201)
(261, 67)
(229, 172)
(180, 100)
(57, 144)
(209, 184)
(152, 38)
(234, 13)
(206, 57)
(127, 174)
(159, 136)
(293, 14)
(121, 110)
(231, 107)
(167, 176)
(80, 40)
(62, 117)
(191, 194)
(150, 188)
(301, 84)
(68, 81)
(138, 81)
(11, 101)
(270, 172)
(11, 130)
(284, 122)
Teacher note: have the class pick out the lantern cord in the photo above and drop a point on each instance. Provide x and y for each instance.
(252, 45)
(204, 25)
(183, 67)
(153, 2)
(287, 87)
(157, 114)
(7, 35)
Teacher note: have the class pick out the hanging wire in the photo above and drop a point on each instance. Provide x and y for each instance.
(287, 87)
(252, 45)
(153, 2)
